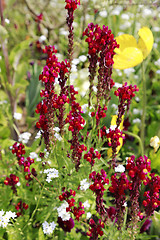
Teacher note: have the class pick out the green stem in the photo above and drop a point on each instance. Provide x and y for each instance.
(34, 212)
(139, 140)
(142, 132)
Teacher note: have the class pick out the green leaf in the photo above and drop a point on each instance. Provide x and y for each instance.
(3, 33)
(17, 52)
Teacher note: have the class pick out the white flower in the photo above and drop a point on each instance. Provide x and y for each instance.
(56, 129)
(17, 116)
(62, 211)
(18, 184)
(125, 204)
(117, 10)
(103, 13)
(120, 168)
(86, 204)
(125, 25)
(128, 71)
(155, 143)
(1, 213)
(75, 61)
(117, 85)
(42, 38)
(84, 108)
(82, 58)
(38, 135)
(88, 215)
(113, 127)
(51, 173)
(84, 185)
(125, 16)
(4, 219)
(136, 120)
(158, 71)
(24, 137)
(58, 137)
(7, 20)
(48, 228)
(157, 63)
(137, 111)
(147, 12)
(156, 29)
(33, 155)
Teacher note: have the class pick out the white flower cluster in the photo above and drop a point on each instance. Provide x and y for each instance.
(51, 173)
(5, 218)
(56, 134)
(48, 228)
(24, 137)
(84, 185)
(35, 156)
(62, 211)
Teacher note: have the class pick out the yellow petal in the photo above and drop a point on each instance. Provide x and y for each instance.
(129, 57)
(145, 42)
(114, 120)
(125, 41)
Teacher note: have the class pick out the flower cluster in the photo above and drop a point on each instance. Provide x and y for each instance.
(99, 180)
(91, 155)
(76, 122)
(152, 195)
(99, 114)
(137, 171)
(71, 5)
(101, 44)
(118, 187)
(52, 102)
(5, 218)
(114, 135)
(95, 229)
(125, 94)
(69, 206)
(19, 150)
(12, 181)
(48, 228)
(51, 173)
(20, 207)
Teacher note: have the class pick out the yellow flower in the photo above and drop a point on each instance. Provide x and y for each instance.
(130, 53)
(113, 123)
(155, 143)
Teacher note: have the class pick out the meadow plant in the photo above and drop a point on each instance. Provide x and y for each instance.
(77, 164)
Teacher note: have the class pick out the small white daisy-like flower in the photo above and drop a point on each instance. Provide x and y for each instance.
(86, 204)
(24, 137)
(88, 215)
(48, 228)
(42, 38)
(84, 185)
(51, 173)
(82, 58)
(62, 211)
(58, 137)
(56, 129)
(120, 168)
(17, 116)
